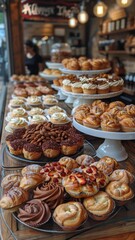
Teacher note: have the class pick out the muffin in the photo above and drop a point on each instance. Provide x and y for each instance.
(16, 146)
(59, 118)
(31, 151)
(51, 149)
(10, 138)
(100, 206)
(70, 215)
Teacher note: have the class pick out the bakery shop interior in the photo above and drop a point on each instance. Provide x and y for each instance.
(67, 132)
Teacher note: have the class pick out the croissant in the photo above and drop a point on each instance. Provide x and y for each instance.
(31, 180)
(11, 180)
(14, 197)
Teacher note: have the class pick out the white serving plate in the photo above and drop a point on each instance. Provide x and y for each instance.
(82, 72)
(54, 65)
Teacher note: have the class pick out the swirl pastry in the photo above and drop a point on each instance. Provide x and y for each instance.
(99, 206)
(32, 151)
(97, 111)
(80, 115)
(33, 92)
(122, 176)
(35, 168)
(52, 194)
(130, 109)
(128, 124)
(119, 191)
(80, 185)
(31, 180)
(11, 180)
(122, 114)
(14, 197)
(86, 65)
(116, 103)
(73, 65)
(68, 162)
(54, 172)
(106, 164)
(34, 213)
(70, 215)
(110, 124)
(85, 160)
(91, 121)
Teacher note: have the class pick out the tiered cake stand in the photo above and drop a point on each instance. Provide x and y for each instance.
(60, 94)
(49, 78)
(82, 72)
(112, 145)
(80, 98)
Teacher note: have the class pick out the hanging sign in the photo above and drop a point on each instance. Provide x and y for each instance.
(41, 9)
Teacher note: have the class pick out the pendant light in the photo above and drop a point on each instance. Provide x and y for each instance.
(72, 22)
(100, 9)
(83, 15)
(124, 3)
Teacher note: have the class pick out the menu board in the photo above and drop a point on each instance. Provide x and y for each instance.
(41, 9)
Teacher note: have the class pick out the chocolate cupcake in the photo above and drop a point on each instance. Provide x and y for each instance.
(51, 149)
(32, 151)
(34, 213)
(16, 146)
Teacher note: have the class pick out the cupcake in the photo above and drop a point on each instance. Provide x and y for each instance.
(103, 88)
(37, 119)
(59, 118)
(16, 103)
(51, 149)
(52, 194)
(36, 111)
(77, 87)
(31, 151)
(19, 112)
(34, 213)
(16, 123)
(89, 88)
(100, 206)
(67, 85)
(34, 101)
(55, 109)
(70, 215)
(50, 101)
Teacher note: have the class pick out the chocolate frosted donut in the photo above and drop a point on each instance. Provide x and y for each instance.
(32, 151)
(50, 193)
(16, 146)
(51, 149)
(35, 213)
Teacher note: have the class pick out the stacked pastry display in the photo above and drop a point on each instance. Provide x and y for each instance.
(84, 63)
(99, 84)
(26, 78)
(26, 89)
(47, 139)
(70, 191)
(113, 117)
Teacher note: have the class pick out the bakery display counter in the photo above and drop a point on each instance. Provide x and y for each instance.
(123, 222)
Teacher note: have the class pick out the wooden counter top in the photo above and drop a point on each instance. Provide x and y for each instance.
(122, 226)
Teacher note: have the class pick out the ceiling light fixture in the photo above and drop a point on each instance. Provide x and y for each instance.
(124, 3)
(83, 15)
(72, 21)
(100, 9)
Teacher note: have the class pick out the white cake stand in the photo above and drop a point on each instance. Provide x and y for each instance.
(60, 94)
(49, 78)
(80, 98)
(82, 72)
(112, 145)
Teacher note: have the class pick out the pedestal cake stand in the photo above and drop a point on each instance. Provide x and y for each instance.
(80, 98)
(60, 94)
(112, 145)
(82, 72)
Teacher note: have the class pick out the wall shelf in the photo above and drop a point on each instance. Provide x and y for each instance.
(117, 31)
(122, 52)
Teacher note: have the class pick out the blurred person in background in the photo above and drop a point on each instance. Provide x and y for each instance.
(33, 61)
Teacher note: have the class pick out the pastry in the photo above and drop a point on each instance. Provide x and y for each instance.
(97, 111)
(51, 149)
(11, 180)
(54, 109)
(103, 88)
(54, 172)
(77, 87)
(45, 90)
(73, 65)
(18, 133)
(86, 65)
(115, 86)
(31, 180)
(32, 151)
(128, 124)
(59, 118)
(34, 213)
(16, 103)
(34, 101)
(31, 168)
(122, 176)
(107, 164)
(68, 162)
(116, 103)
(70, 215)
(109, 123)
(99, 206)
(14, 197)
(50, 101)
(66, 84)
(10, 138)
(91, 121)
(114, 111)
(130, 109)
(80, 115)
(19, 112)
(17, 122)
(119, 191)
(36, 111)
(69, 147)
(36, 119)
(16, 146)
(52, 194)
(95, 175)
(85, 160)
(20, 92)
(34, 92)
(80, 184)
(122, 114)
(89, 88)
